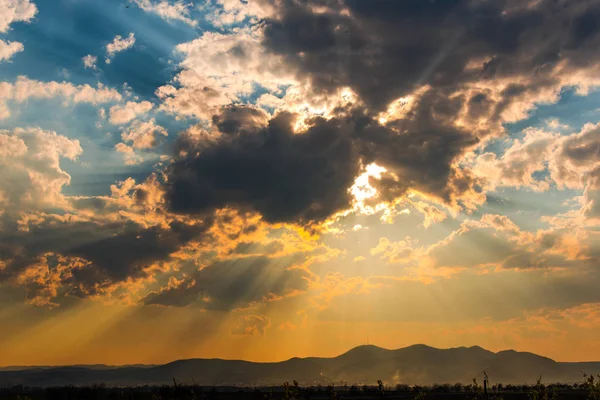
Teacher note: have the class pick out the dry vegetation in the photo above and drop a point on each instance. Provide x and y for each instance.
(588, 389)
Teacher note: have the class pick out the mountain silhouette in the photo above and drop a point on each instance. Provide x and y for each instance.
(418, 364)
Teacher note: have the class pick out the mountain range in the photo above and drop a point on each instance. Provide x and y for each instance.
(418, 364)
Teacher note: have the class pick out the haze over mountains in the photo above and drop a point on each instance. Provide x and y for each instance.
(418, 364)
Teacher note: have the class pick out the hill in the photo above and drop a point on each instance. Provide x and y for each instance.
(418, 364)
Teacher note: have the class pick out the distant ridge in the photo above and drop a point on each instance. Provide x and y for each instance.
(416, 364)
(88, 366)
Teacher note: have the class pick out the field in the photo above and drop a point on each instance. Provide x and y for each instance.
(588, 389)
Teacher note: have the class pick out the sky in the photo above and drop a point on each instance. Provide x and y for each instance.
(265, 179)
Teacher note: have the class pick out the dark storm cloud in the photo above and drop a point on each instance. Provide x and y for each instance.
(20, 247)
(244, 248)
(304, 178)
(385, 49)
(240, 119)
(272, 170)
(113, 252)
(422, 154)
(128, 254)
(235, 283)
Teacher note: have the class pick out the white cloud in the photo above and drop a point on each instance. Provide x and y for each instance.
(229, 12)
(122, 114)
(570, 161)
(576, 157)
(591, 197)
(119, 44)
(90, 61)
(236, 60)
(131, 158)
(218, 68)
(432, 214)
(11, 146)
(402, 251)
(142, 135)
(198, 96)
(555, 124)
(15, 11)
(9, 49)
(25, 88)
(517, 166)
(176, 11)
(30, 163)
(268, 100)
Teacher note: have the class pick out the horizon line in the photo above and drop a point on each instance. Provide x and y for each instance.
(139, 364)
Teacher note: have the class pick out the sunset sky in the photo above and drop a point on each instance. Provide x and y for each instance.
(264, 179)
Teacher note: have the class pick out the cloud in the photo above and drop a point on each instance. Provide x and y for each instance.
(24, 88)
(421, 121)
(591, 197)
(234, 60)
(237, 283)
(432, 214)
(143, 135)
(232, 64)
(463, 79)
(575, 157)
(284, 176)
(365, 46)
(140, 135)
(252, 325)
(334, 285)
(9, 49)
(555, 124)
(519, 163)
(421, 159)
(121, 114)
(109, 245)
(567, 161)
(114, 248)
(496, 241)
(197, 96)
(474, 244)
(129, 254)
(450, 301)
(16, 11)
(31, 174)
(76, 250)
(186, 293)
(240, 120)
(402, 251)
(129, 154)
(287, 326)
(170, 11)
(268, 100)
(90, 61)
(119, 44)
(229, 12)
(218, 68)
(100, 256)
